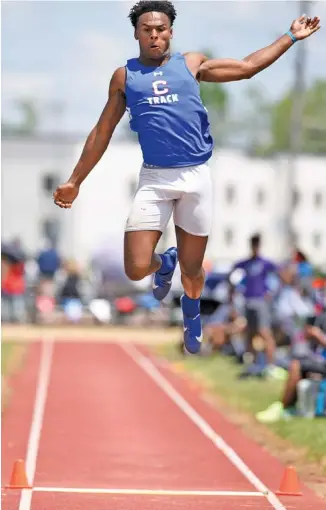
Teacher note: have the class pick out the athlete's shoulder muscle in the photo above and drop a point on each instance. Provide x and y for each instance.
(115, 105)
(194, 60)
(118, 81)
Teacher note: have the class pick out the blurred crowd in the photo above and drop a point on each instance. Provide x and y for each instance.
(270, 318)
(45, 287)
(38, 283)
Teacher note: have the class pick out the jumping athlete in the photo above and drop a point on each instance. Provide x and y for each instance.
(160, 91)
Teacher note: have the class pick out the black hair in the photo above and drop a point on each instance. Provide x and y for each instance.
(255, 240)
(152, 6)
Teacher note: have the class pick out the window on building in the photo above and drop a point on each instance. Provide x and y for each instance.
(228, 236)
(230, 194)
(260, 196)
(316, 239)
(50, 181)
(295, 198)
(318, 199)
(50, 230)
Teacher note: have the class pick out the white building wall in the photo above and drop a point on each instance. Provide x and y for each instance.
(24, 203)
(241, 214)
(100, 212)
(101, 209)
(310, 215)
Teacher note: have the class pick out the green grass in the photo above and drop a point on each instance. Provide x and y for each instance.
(12, 355)
(6, 351)
(249, 395)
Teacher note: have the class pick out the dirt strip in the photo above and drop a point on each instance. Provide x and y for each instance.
(28, 333)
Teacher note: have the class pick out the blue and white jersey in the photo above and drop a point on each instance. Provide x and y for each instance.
(167, 112)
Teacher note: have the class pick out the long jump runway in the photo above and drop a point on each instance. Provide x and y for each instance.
(106, 426)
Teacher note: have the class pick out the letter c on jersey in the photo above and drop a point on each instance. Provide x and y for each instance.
(159, 91)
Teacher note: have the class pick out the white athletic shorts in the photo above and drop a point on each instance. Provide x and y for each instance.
(186, 191)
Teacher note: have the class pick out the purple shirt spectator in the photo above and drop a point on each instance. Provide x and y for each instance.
(256, 271)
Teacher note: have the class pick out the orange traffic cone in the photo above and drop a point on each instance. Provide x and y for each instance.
(290, 485)
(18, 478)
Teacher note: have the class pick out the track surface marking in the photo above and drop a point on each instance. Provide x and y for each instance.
(112, 437)
(147, 492)
(202, 425)
(37, 420)
(43, 501)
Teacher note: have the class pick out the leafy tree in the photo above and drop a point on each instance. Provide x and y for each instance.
(216, 100)
(266, 126)
(251, 125)
(29, 114)
(29, 118)
(313, 121)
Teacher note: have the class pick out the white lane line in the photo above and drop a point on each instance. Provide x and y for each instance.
(147, 492)
(148, 367)
(37, 420)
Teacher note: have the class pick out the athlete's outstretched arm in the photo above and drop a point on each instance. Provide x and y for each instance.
(97, 141)
(226, 70)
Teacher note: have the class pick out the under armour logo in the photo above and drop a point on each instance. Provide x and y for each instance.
(159, 73)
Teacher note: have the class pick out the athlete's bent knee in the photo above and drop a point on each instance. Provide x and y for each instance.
(136, 272)
(192, 271)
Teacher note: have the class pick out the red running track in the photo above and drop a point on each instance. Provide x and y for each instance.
(108, 424)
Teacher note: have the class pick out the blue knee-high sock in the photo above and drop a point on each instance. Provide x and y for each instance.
(191, 307)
